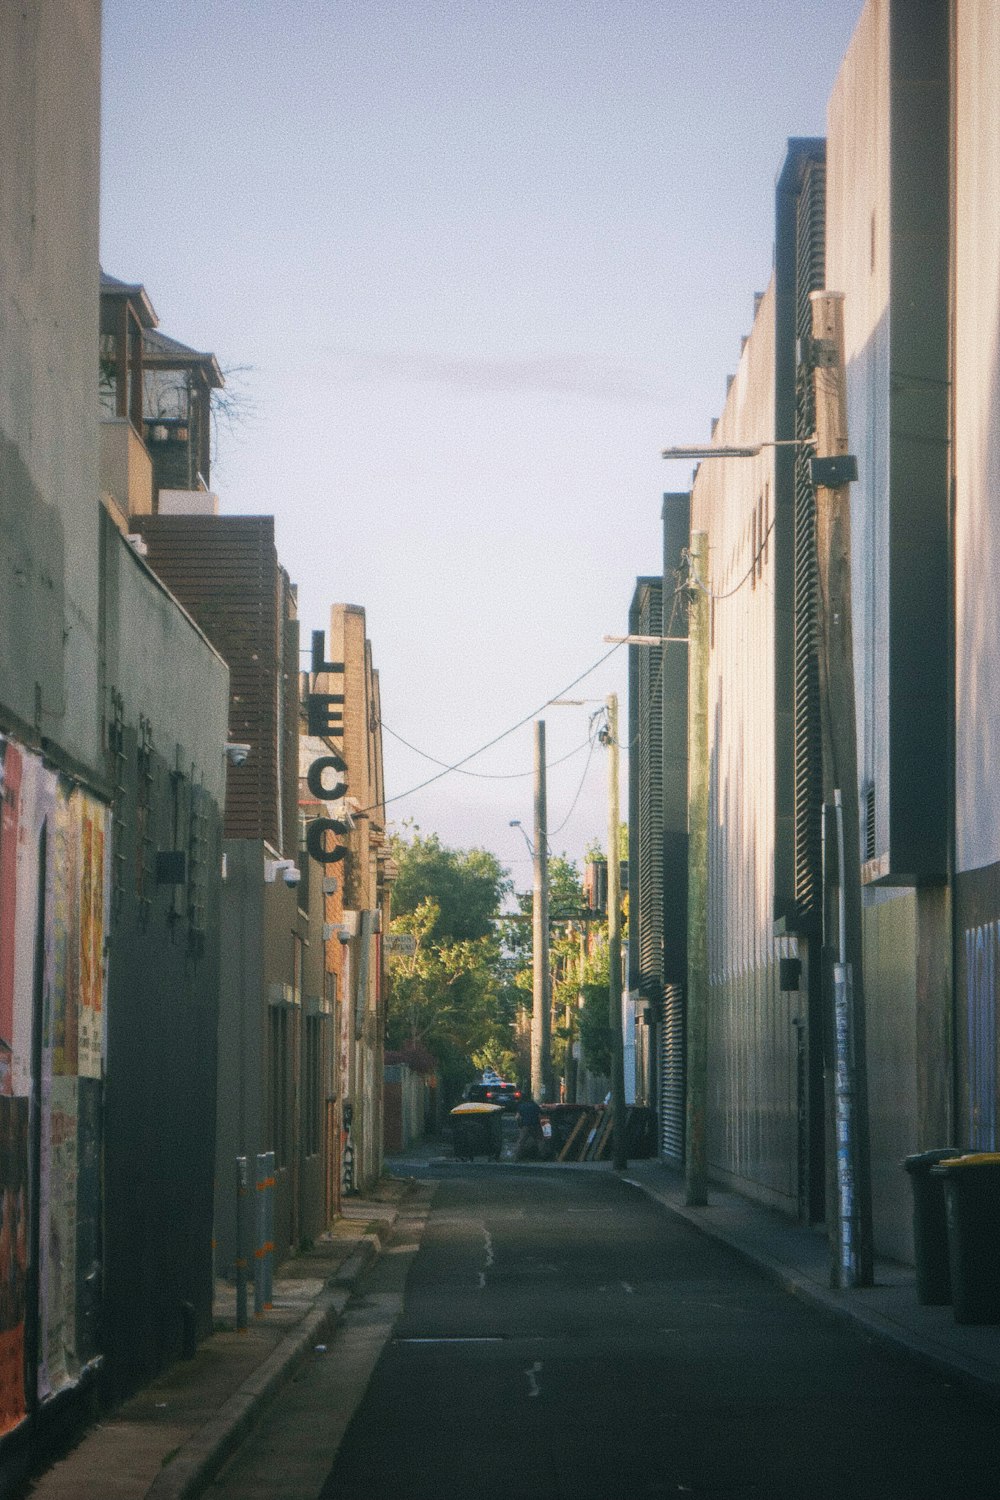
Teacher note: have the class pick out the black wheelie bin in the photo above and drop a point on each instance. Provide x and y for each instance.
(972, 1211)
(476, 1131)
(930, 1228)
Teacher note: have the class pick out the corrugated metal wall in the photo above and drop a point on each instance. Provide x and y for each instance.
(753, 1046)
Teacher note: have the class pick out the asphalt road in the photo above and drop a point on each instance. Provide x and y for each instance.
(563, 1337)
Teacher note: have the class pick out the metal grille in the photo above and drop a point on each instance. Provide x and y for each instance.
(649, 752)
(809, 277)
(672, 1074)
(116, 762)
(869, 805)
(144, 821)
(197, 866)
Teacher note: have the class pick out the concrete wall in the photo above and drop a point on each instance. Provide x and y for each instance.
(241, 1125)
(890, 966)
(163, 968)
(49, 119)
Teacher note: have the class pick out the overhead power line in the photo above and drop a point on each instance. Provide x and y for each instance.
(482, 775)
(458, 764)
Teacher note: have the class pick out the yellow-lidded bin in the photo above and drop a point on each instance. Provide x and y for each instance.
(972, 1212)
(476, 1130)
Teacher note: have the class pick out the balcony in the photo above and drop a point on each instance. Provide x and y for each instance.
(126, 472)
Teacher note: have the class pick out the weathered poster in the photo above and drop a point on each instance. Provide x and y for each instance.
(10, 795)
(32, 889)
(58, 1362)
(13, 1258)
(91, 936)
(53, 899)
(65, 985)
(88, 1219)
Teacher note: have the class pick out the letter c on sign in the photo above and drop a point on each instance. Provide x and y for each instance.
(314, 840)
(315, 778)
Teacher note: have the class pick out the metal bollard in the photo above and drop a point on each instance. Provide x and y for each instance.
(269, 1231)
(260, 1236)
(242, 1191)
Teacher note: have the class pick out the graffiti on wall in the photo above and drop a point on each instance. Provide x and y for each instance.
(53, 899)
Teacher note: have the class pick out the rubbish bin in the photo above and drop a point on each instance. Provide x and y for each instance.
(476, 1130)
(930, 1229)
(972, 1211)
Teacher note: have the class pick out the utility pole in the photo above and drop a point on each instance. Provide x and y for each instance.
(851, 1230)
(541, 986)
(619, 1149)
(695, 1152)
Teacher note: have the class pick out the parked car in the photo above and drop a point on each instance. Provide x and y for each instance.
(506, 1094)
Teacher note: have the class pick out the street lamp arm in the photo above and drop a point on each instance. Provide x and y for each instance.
(647, 640)
(733, 450)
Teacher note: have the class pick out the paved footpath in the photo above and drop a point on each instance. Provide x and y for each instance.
(169, 1441)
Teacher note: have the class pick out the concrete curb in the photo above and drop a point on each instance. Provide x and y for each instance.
(952, 1363)
(200, 1459)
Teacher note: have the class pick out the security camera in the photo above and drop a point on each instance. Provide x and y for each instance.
(291, 875)
(237, 754)
(344, 936)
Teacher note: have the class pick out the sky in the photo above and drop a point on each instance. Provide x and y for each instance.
(474, 264)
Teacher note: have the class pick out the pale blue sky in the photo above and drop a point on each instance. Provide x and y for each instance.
(485, 261)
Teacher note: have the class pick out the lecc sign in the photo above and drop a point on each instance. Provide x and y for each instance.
(325, 720)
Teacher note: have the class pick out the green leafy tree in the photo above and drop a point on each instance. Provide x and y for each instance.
(595, 1032)
(468, 886)
(453, 995)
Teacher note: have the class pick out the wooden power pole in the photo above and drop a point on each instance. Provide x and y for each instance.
(619, 1148)
(847, 1085)
(695, 1151)
(541, 986)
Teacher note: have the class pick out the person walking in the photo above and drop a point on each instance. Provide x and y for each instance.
(529, 1136)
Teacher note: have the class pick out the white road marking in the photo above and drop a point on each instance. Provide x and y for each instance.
(628, 1287)
(489, 1247)
(451, 1341)
(533, 1374)
(482, 1281)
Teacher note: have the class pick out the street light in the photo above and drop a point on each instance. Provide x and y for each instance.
(732, 450)
(646, 640)
(516, 823)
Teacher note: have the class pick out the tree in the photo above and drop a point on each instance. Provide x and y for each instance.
(453, 995)
(467, 885)
(595, 1032)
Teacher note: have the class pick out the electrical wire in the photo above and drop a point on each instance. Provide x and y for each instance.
(572, 806)
(375, 806)
(483, 775)
(692, 573)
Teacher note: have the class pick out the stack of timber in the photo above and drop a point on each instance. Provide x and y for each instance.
(584, 1132)
(590, 1138)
